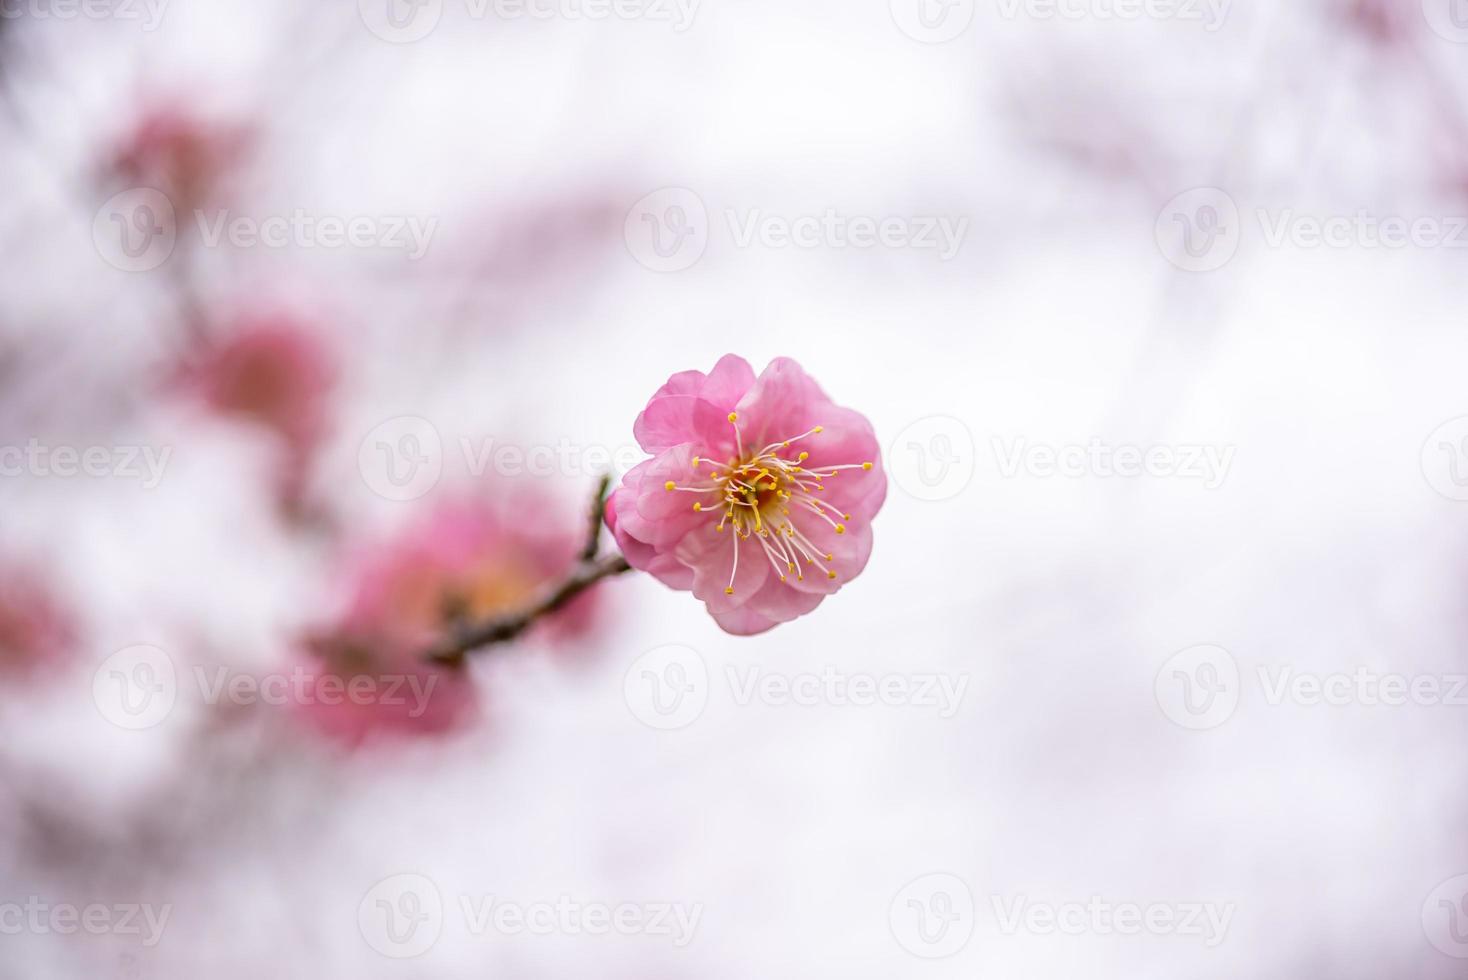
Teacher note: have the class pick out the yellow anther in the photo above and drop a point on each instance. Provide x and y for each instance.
(846, 517)
(733, 416)
(729, 590)
(695, 463)
(698, 507)
(840, 528)
(804, 457)
(830, 558)
(670, 485)
(792, 566)
(819, 429)
(831, 576)
(866, 466)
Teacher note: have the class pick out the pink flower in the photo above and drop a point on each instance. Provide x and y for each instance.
(466, 561)
(1385, 22)
(759, 496)
(177, 150)
(34, 630)
(271, 370)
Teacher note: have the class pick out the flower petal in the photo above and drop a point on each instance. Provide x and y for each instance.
(727, 382)
(711, 555)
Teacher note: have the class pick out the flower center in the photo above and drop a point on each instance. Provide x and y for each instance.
(760, 495)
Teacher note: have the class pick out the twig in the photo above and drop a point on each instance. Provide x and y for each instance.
(593, 530)
(590, 569)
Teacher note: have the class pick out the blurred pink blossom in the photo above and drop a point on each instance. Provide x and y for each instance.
(1385, 22)
(34, 628)
(273, 371)
(179, 151)
(760, 495)
(467, 561)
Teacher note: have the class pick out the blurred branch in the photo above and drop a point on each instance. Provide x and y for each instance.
(590, 569)
(593, 530)
(183, 280)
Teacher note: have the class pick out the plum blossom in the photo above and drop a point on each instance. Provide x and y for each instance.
(272, 371)
(34, 630)
(177, 150)
(466, 561)
(759, 497)
(1387, 23)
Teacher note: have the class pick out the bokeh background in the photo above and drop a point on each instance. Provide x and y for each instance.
(1133, 187)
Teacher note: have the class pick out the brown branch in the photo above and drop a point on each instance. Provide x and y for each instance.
(593, 530)
(467, 637)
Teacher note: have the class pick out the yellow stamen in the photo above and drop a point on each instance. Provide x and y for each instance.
(767, 482)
